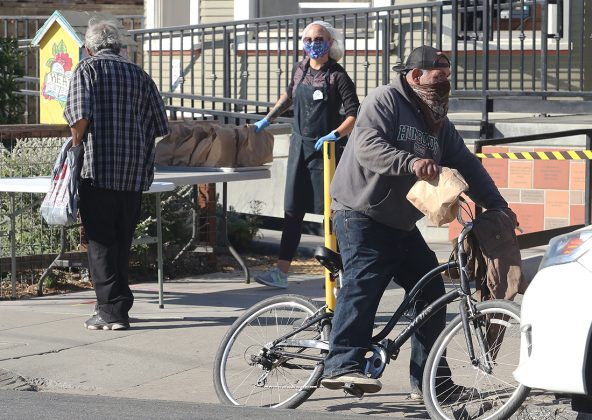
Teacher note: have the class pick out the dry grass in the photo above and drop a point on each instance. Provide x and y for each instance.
(263, 262)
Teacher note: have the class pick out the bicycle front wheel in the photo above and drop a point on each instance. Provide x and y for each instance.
(483, 388)
(250, 370)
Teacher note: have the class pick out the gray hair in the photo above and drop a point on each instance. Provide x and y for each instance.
(102, 34)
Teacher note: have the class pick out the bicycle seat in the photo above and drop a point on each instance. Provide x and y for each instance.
(329, 259)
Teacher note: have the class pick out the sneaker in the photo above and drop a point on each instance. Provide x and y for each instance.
(415, 396)
(366, 384)
(97, 323)
(273, 277)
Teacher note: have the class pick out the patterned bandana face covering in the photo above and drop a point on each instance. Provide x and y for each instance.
(435, 96)
(316, 49)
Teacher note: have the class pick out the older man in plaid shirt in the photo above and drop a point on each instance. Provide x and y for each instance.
(114, 109)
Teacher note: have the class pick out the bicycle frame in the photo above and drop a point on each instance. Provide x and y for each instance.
(392, 347)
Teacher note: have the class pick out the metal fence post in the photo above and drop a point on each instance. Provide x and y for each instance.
(384, 22)
(485, 72)
(454, 52)
(544, 47)
(226, 82)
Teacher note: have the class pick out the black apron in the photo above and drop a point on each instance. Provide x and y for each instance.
(312, 120)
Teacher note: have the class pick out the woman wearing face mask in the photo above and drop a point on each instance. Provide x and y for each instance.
(318, 91)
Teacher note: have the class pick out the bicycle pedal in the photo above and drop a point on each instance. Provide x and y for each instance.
(353, 389)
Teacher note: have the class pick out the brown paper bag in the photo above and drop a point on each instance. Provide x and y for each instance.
(182, 133)
(164, 151)
(438, 198)
(202, 150)
(254, 149)
(223, 150)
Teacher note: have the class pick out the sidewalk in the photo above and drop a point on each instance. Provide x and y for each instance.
(168, 353)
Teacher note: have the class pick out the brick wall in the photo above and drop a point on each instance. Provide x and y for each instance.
(544, 194)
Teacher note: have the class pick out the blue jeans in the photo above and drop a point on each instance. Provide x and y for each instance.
(373, 254)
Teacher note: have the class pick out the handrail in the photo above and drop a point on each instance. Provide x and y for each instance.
(530, 137)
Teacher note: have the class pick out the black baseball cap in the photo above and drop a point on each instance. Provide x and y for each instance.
(425, 58)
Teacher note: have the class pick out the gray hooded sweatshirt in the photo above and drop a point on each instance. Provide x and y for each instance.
(375, 172)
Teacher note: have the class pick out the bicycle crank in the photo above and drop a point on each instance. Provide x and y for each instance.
(376, 363)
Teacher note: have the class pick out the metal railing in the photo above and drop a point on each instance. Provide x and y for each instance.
(506, 56)
(221, 70)
(27, 151)
(503, 53)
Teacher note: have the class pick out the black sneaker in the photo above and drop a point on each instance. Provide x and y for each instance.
(97, 323)
(358, 379)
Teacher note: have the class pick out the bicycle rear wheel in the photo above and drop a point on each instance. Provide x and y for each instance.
(250, 371)
(483, 390)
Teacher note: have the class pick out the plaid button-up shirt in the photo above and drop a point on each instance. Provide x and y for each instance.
(126, 114)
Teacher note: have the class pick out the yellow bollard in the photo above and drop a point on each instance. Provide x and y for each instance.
(329, 163)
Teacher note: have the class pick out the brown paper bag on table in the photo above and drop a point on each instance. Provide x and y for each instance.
(182, 134)
(254, 149)
(202, 150)
(164, 151)
(223, 148)
(438, 198)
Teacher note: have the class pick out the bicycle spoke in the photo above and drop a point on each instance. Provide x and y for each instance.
(488, 385)
(274, 379)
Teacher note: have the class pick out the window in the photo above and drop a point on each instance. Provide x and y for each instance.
(180, 14)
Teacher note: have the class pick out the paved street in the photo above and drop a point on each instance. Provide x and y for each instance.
(37, 405)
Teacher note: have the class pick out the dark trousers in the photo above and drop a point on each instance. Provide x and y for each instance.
(109, 218)
(374, 254)
(291, 234)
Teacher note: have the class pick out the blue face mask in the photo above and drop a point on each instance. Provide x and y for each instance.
(316, 49)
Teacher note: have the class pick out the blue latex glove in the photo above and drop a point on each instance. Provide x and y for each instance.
(261, 124)
(329, 137)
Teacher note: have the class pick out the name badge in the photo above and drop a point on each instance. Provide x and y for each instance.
(317, 95)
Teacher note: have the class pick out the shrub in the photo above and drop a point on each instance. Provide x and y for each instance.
(241, 229)
(11, 104)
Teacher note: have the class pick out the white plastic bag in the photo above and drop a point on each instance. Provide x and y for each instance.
(60, 205)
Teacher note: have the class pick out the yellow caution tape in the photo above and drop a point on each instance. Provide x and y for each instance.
(556, 155)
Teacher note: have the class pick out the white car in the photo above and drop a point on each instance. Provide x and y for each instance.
(556, 319)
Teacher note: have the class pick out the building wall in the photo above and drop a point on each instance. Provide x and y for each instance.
(38, 8)
(216, 10)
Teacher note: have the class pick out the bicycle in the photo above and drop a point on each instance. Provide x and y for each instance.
(276, 349)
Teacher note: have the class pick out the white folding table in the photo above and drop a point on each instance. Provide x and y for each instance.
(194, 176)
(41, 185)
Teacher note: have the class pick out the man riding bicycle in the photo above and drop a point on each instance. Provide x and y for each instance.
(401, 134)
